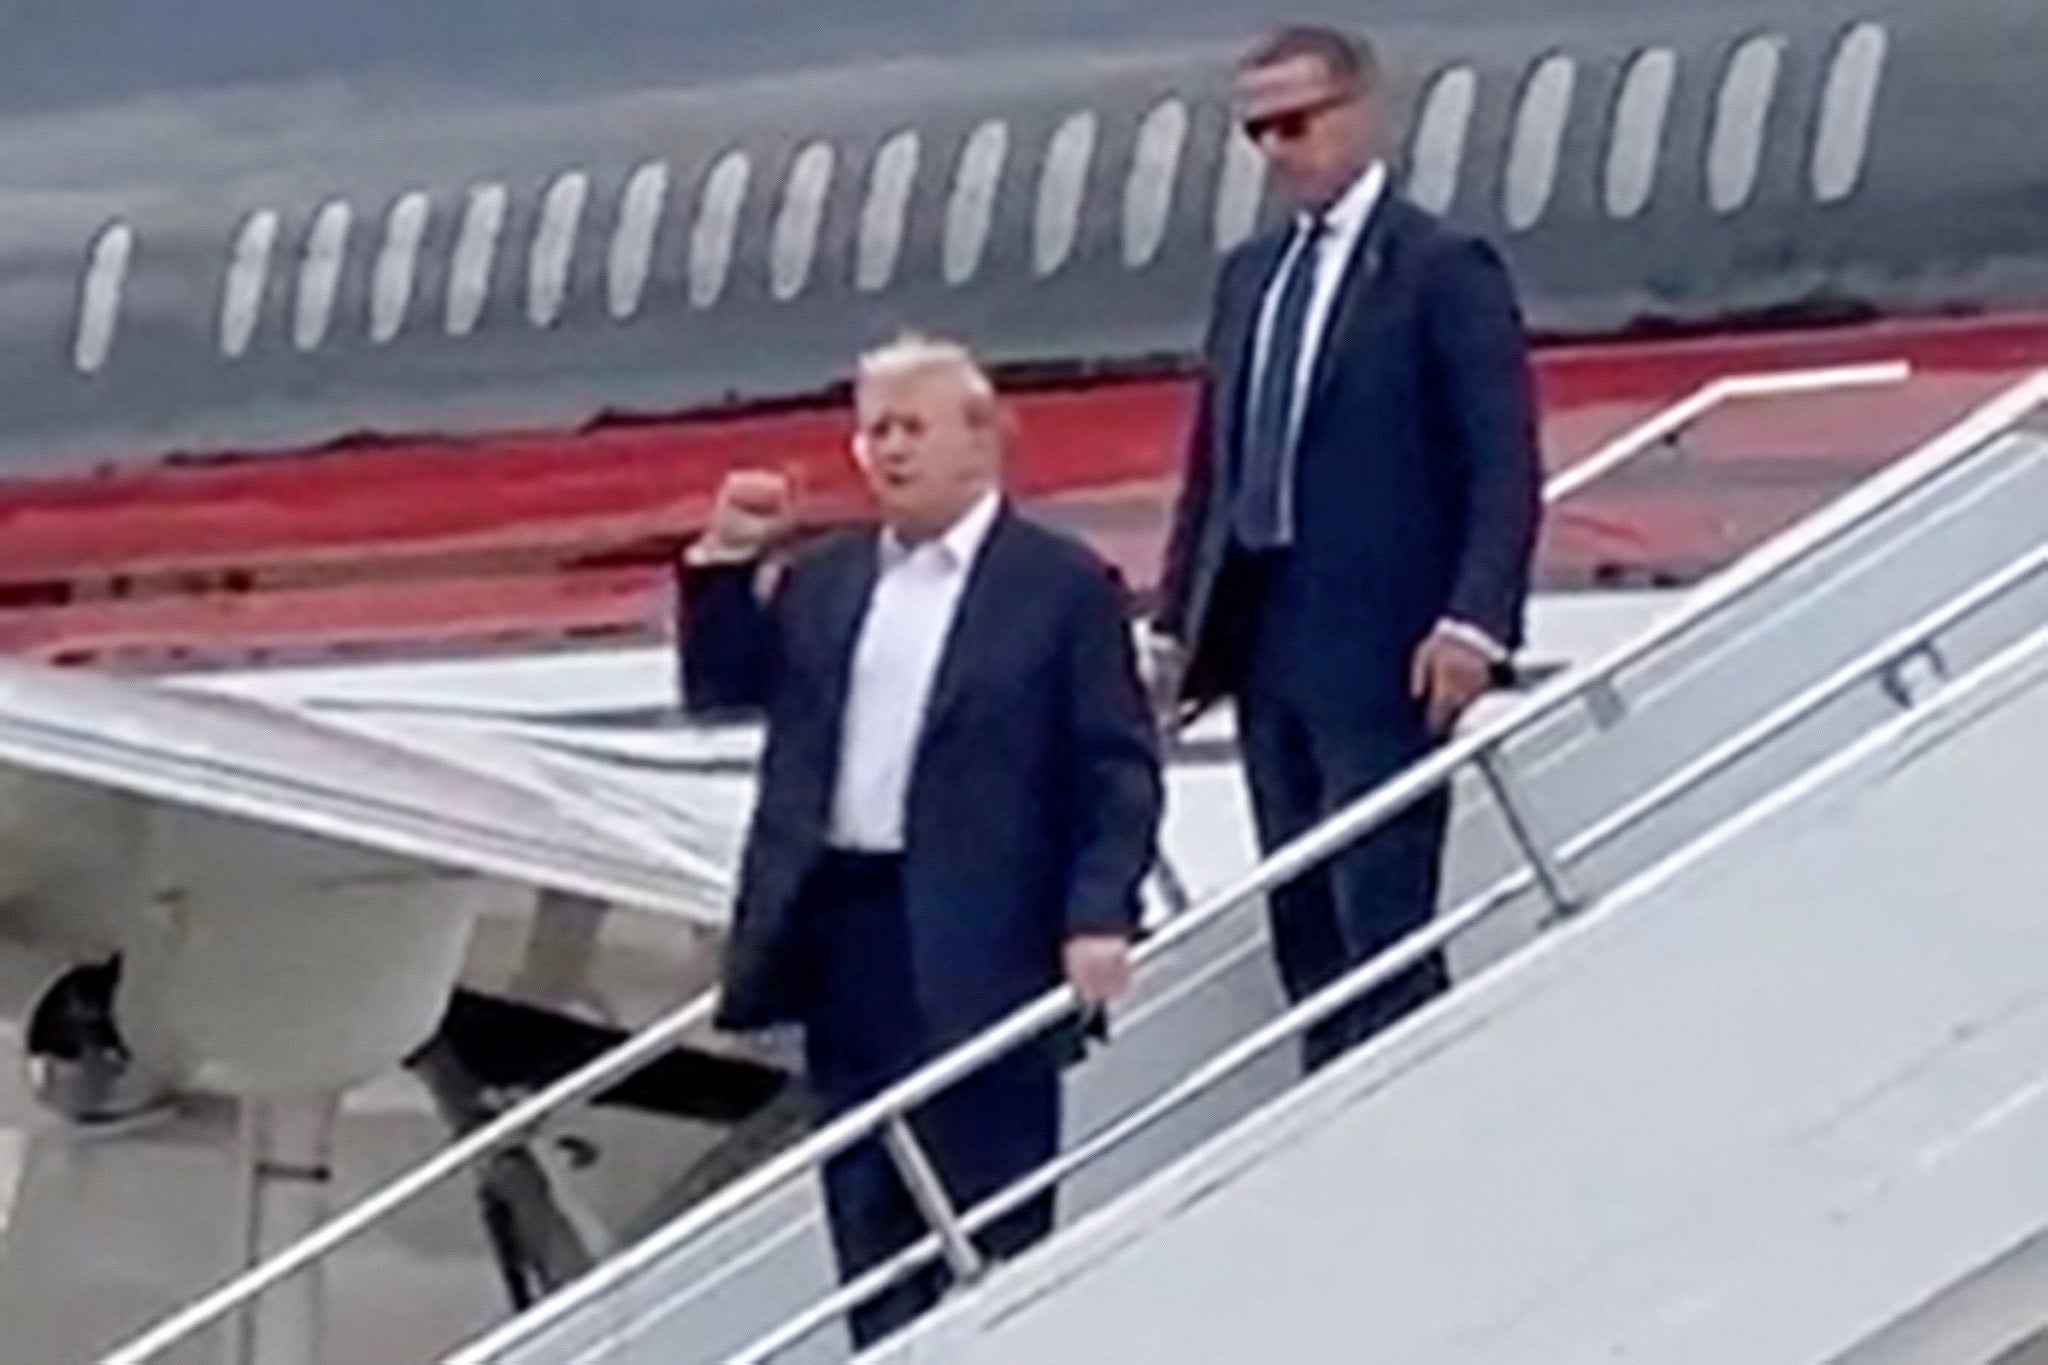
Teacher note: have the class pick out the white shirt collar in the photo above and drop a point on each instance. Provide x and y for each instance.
(1346, 218)
(962, 540)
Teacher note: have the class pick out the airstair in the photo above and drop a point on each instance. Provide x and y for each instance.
(1915, 596)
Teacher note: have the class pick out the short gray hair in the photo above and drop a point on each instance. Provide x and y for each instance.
(1348, 58)
(913, 352)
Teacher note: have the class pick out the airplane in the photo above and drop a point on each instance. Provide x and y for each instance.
(291, 236)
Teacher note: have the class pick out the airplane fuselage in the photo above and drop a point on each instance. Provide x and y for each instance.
(239, 228)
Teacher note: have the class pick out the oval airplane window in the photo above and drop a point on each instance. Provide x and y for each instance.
(1437, 151)
(795, 242)
(320, 273)
(1742, 114)
(718, 220)
(554, 248)
(890, 181)
(1240, 190)
(1847, 102)
(1148, 194)
(99, 299)
(397, 265)
(1062, 186)
(241, 296)
(1537, 140)
(971, 212)
(632, 253)
(476, 255)
(1636, 142)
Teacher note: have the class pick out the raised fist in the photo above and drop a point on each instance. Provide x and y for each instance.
(753, 512)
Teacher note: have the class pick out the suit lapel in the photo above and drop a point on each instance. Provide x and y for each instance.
(1240, 324)
(977, 623)
(846, 607)
(1362, 273)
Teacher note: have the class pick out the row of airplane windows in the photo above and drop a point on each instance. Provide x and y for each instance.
(1436, 163)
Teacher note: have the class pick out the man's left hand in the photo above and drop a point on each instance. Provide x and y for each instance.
(1449, 674)
(1162, 661)
(1098, 967)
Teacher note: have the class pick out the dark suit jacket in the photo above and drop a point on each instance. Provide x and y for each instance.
(1035, 788)
(1419, 480)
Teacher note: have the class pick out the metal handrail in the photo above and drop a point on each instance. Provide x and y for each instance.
(1873, 663)
(1667, 423)
(658, 1037)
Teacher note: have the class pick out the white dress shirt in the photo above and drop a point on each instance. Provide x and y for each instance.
(1343, 224)
(895, 661)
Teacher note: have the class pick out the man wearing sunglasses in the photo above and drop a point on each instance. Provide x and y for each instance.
(1351, 550)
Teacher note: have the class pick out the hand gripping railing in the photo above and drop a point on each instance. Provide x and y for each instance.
(603, 1071)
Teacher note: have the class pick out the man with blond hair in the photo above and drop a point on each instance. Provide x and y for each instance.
(958, 797)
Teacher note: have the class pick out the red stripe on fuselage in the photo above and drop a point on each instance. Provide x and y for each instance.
(136, 563)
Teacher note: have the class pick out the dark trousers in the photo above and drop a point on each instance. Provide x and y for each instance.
(1309, 751)
(862, 1032)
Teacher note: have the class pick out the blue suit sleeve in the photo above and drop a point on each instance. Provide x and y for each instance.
(727, 640)
(1487, 396)
(1118, 789)
(1198, 473)
(1176, 575)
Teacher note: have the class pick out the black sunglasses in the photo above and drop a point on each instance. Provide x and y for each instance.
(1289, 124)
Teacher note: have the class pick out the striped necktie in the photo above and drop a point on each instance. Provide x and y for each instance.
(1262, 512)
